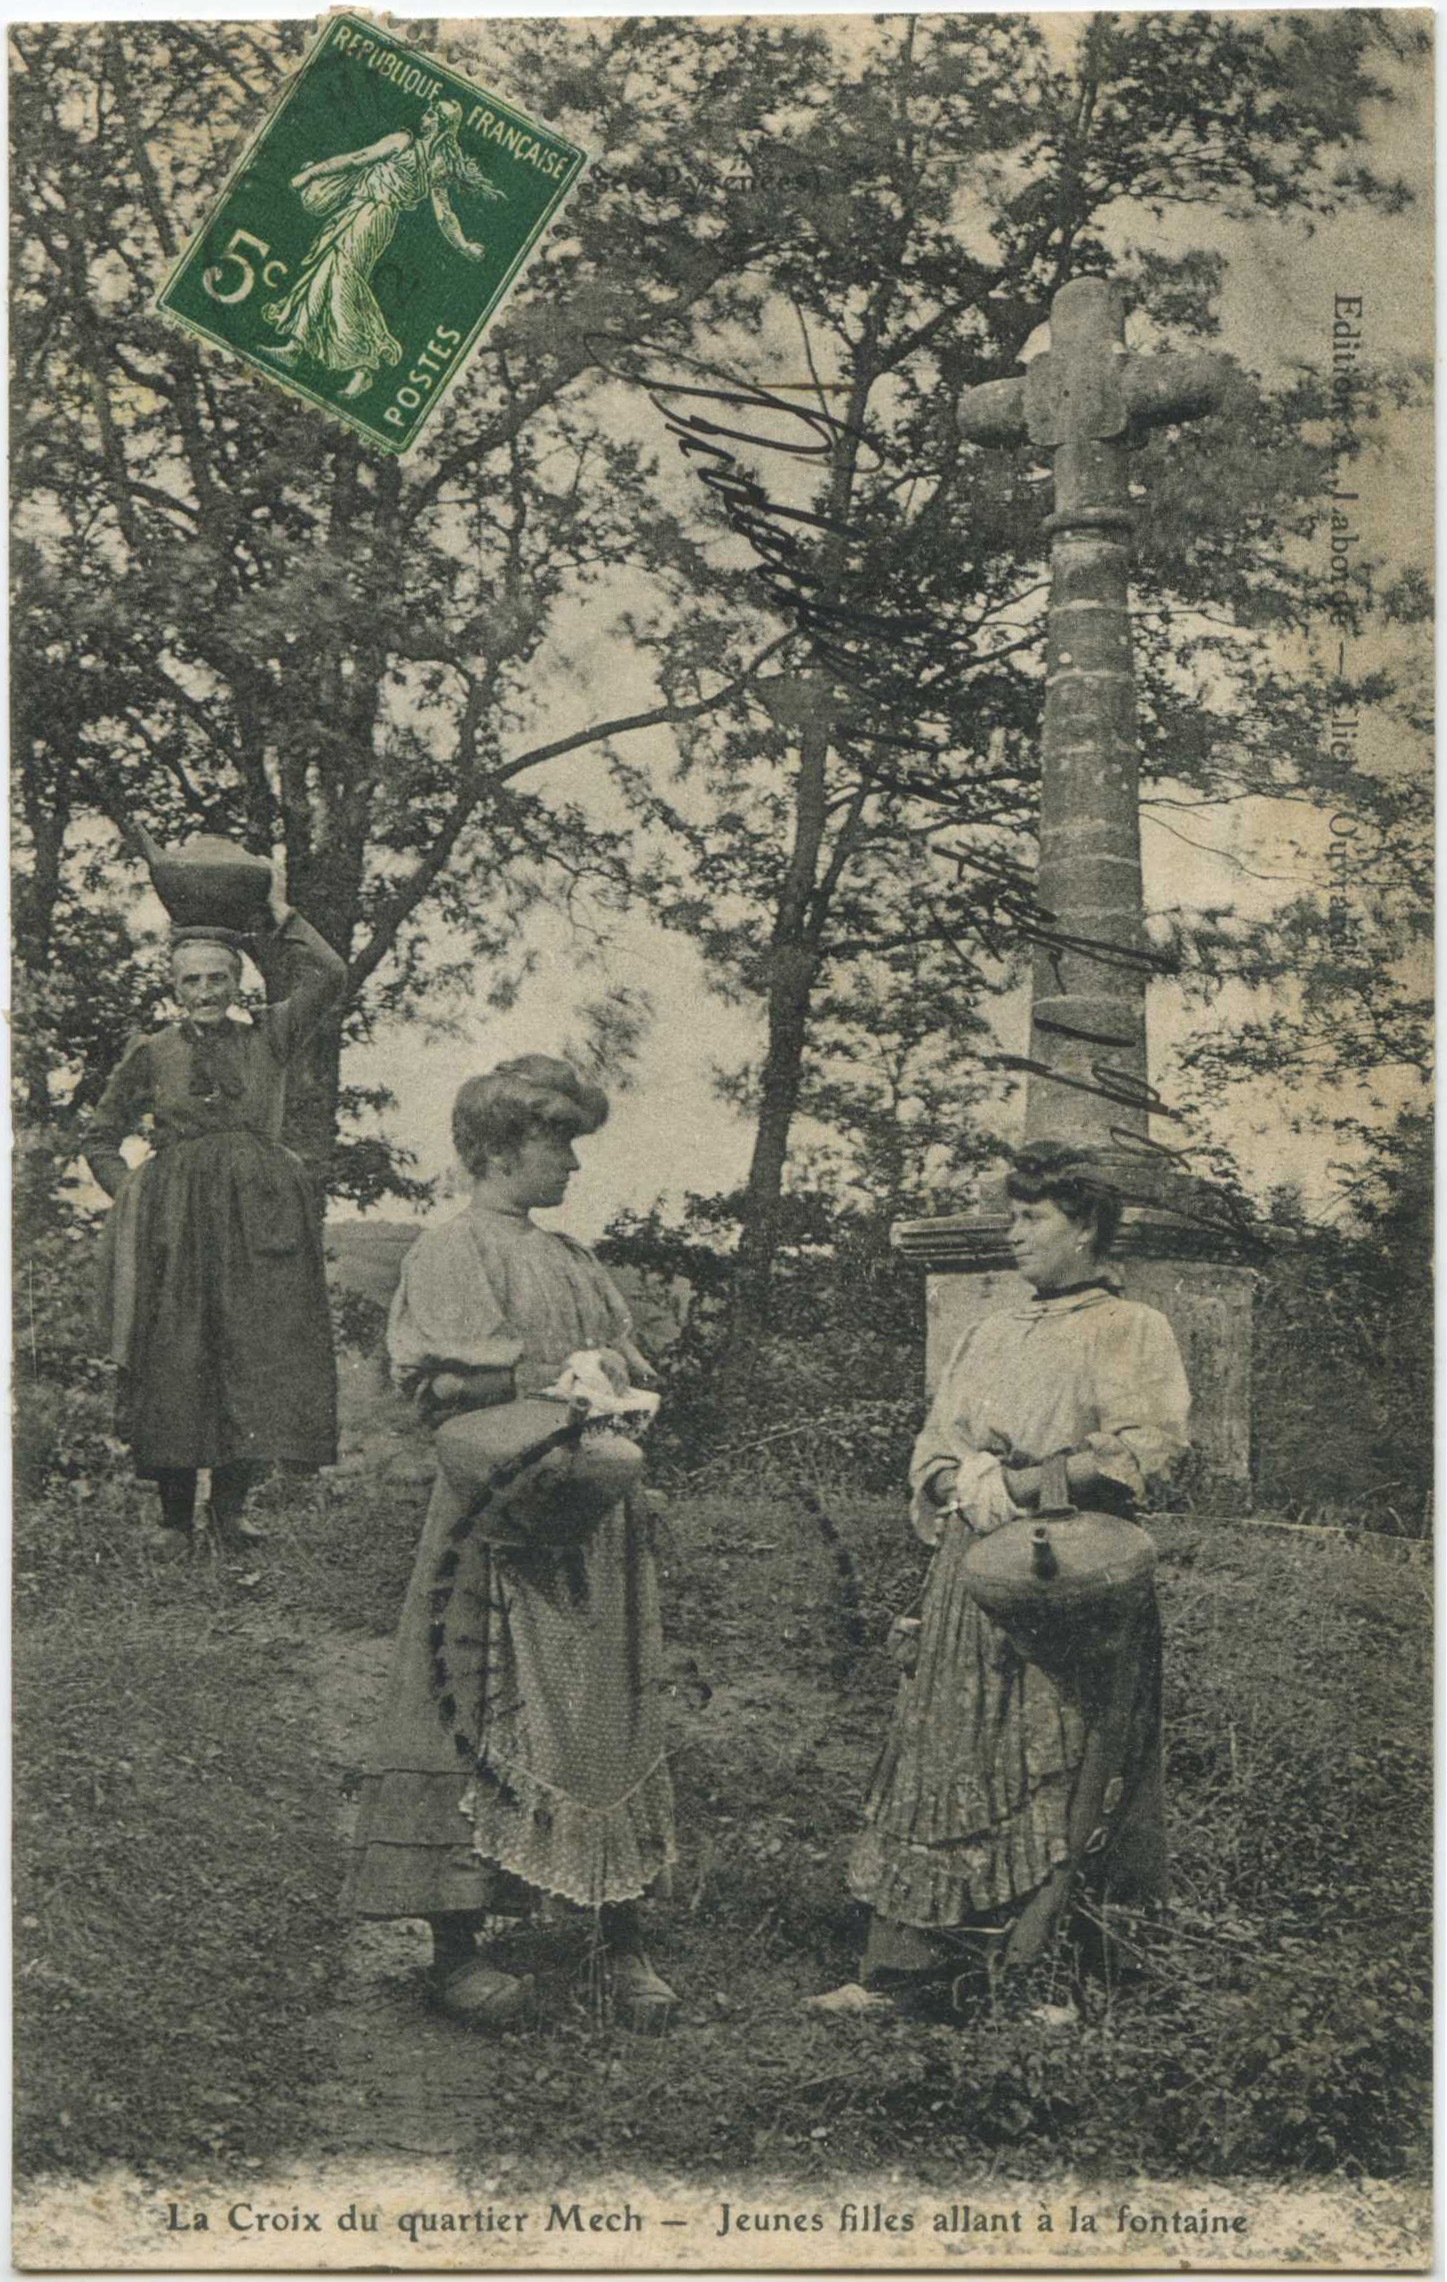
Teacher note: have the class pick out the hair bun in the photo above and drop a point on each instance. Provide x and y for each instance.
(1063, 1161)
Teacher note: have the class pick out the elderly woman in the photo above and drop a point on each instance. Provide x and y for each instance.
(1002, 1787)
(214, 1290)
(567, 1793)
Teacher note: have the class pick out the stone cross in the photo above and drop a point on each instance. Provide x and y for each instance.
(1082, 402)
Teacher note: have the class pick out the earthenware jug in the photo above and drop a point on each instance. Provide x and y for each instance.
(208, 882)
(527, 1479)
(1064, 1585)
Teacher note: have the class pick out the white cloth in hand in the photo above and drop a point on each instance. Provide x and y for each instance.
(595, 1380)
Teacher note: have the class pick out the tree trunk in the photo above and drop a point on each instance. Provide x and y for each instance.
(312, 1087)
(793, 967)
(791, 988)
(796, 950)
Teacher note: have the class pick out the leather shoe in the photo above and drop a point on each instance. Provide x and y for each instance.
(640, 1995)
(478, 1996)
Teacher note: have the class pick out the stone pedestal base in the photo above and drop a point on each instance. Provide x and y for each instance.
(1207, 1303)
(1208, 1306)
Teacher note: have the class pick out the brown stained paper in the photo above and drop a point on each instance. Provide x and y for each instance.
(177, 672)
(631, 2227)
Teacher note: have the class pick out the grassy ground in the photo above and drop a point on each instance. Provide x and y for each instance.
(187, 1993)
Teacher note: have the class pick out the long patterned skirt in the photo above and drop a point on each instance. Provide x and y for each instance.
(1004, 1793)
(535, 1752)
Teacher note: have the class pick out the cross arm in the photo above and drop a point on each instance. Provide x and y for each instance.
(994, 413)
(1161, 389)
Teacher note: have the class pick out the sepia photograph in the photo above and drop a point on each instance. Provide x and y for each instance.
(721, 926)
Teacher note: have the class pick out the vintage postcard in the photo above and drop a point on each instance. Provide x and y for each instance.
(722, 790)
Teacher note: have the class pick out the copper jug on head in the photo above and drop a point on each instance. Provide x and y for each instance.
(209, 882)
(1066, 1585)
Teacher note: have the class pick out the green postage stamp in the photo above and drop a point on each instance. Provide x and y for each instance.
(370, 231)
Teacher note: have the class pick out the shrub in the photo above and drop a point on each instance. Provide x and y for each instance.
(833, 1389)
(64, 1388)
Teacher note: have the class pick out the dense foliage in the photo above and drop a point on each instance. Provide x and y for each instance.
(230, 613)
(1344, 1348)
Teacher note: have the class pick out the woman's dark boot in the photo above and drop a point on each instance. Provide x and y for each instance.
(463, 1985)
(172, 1538)
(230, 1488)
(640, 1995)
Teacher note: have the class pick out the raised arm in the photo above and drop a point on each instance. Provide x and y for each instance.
(315, 974)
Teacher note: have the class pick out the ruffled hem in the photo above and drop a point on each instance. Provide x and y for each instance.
(969, 1805)
(936, 1889)
(583, 1854)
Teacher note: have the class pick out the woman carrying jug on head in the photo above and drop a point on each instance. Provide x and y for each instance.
(1007, 1785)
(214, 1291)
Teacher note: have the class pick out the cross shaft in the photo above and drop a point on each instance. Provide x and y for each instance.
(1083, 402)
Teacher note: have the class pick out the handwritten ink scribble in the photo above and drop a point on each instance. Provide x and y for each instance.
(872, 654)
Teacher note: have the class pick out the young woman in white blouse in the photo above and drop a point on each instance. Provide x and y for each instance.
(971, 1853)
(565, 1790)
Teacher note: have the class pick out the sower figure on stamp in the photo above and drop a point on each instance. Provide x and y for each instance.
(331, 311)
(534, 1764)
(213, 1284)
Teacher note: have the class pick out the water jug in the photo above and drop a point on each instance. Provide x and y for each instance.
(1064, 1585)
(208, 882)
(522, 1492)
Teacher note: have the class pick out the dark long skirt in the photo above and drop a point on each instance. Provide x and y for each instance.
(217, 1303)
(1008, 1796)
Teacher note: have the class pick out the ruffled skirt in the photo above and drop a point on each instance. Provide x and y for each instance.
(522, 1738)
(999, 1782)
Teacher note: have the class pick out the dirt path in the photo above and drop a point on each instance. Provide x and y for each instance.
(403, 2083)
(428, 2148)
(411, 2100)
(398, 2088)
